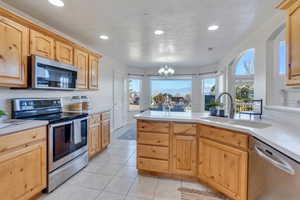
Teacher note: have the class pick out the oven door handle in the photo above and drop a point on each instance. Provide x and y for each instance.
(275, 160)
(60, 124)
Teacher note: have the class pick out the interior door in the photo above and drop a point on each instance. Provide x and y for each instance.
(118, 100)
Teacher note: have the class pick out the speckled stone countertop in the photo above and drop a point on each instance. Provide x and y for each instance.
(20, 125)
(284, 138)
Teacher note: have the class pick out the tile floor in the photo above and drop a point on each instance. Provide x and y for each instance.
(112, 175)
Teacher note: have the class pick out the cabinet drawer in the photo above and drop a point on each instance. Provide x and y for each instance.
(153, 152)
(22, 138)
(224, 136)
(184, 129)
(105, 116)
(153, 139)
(152, 126)
(153, 165)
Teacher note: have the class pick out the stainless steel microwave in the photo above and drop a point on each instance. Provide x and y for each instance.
(50, 74)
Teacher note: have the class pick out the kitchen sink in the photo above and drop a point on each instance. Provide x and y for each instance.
(245, 123)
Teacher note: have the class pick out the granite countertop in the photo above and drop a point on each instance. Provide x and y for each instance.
(20, 125)
(285, 138)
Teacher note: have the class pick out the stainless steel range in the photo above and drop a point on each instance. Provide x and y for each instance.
(67, 136)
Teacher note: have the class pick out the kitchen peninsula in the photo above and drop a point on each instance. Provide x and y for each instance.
(210, 149)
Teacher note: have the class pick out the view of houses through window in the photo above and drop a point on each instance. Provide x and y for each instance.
(172, 95)
(134, 93)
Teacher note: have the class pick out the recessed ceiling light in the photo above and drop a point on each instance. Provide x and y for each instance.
(104, 37)
(213, 28)
(58, 3)
(159, 32)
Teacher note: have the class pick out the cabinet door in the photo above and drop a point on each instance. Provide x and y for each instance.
(294, 46)
(105, 133)
(93, 140)
(23, 172)
(14, 41)
(223, 167)
(93, 72)
(185, 155)
(64, 53)
(41, 45)
(81, 60)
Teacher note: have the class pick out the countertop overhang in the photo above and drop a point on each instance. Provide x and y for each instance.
(285, 138)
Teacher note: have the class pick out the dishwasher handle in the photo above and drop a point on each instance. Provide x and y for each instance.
(275, 160)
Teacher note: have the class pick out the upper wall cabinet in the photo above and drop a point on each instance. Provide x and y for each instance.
(293, 40)
(94, 72)
(81, 60)
(64, 53)
(41, 45)
(13, 53)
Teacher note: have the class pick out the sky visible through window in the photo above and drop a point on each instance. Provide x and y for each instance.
(282, 57)
(173, 87)
(208, 84)
(245, 66)
(134, 85)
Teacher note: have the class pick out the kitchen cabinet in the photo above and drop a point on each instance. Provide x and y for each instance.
(184, 149)
(99, 133)
(224, 168)
(184, 155)
(81, 60)
(23, 168)
(94, 135)
(14, 41)
(93, 72)
(41, 45)
(64, 53)
(153, 150)
(292, 7)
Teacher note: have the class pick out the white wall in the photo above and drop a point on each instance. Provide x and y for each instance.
(100, 99)
(258, 41)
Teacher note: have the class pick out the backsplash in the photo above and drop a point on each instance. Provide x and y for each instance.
(293, 97)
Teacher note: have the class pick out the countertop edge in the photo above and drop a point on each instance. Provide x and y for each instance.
(22, 127)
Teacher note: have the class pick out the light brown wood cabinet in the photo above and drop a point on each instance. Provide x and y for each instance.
(41, 45)
(99, 133)
(105, 133)
(292, 7)
(64, 53)
(224, 168)
(14, 41)
(81, 60)
(93, 72)
(184, 155)
(23, 168)
(215, 156)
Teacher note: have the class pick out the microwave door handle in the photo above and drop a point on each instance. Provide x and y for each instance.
(281, 164)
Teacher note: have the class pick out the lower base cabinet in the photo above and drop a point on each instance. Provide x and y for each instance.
(23, 169)
(99, 133)
(224, 168)
(215, 156)
(184, 155)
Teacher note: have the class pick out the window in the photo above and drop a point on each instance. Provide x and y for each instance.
(244, 77)
(134, 94)
(173, 95)
(209, 91)
(282, 57)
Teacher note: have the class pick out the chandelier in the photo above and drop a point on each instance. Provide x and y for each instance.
(166, 71)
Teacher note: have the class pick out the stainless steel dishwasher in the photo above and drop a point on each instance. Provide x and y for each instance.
(272, 175)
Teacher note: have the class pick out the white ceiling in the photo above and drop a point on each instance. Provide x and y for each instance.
(130, 25)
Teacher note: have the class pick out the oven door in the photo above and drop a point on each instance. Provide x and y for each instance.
(67, 140)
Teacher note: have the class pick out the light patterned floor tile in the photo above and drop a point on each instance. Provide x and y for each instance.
(128, 171)
(110, 196)
(120, 185)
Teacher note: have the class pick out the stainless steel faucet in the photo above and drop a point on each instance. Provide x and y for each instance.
(232, 109)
